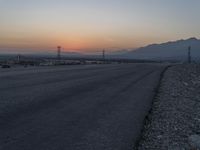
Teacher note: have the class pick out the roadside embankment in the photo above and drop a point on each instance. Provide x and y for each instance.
(174, 121)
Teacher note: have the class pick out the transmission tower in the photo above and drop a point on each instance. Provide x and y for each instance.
(59, 52)
(103, 54)
(189, 54)
(18, 58)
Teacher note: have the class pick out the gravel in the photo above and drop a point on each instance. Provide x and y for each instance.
(194, 141)
(174, 121)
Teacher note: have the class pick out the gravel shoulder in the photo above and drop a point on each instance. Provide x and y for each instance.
(175, 115)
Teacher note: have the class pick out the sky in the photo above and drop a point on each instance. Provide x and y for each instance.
(93, 25)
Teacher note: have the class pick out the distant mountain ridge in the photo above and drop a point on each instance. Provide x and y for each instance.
(173, 50)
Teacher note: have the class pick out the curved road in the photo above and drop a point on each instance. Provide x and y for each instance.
(97, 107)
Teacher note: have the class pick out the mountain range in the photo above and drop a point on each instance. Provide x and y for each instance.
(173, 50)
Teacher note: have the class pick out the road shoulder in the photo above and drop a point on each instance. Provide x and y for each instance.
(175, 116)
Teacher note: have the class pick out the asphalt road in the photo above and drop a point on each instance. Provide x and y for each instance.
(97, 107)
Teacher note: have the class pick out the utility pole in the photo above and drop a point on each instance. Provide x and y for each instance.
(189, 54)
(59, 52)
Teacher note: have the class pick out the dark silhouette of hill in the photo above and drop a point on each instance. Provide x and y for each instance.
(173, 50)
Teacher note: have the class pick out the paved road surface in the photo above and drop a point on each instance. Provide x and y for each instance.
(99, 107)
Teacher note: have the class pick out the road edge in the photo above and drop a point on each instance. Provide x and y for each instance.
(147, 117)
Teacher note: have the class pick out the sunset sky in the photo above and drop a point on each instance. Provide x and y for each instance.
(91, 25)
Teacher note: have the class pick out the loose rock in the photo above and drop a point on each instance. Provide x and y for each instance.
(175, 113)
(194, 141)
